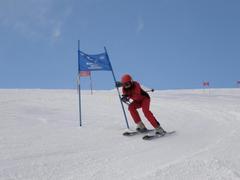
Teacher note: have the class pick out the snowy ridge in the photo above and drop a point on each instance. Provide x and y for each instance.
(40, 137)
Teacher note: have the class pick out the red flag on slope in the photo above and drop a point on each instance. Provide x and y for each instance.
(238, 83)
(85, 73)
(206, 84)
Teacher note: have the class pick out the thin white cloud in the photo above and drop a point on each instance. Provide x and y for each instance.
(57, 32)
(34, 19)
(140, 25)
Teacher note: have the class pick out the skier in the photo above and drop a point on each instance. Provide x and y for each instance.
(141, 99)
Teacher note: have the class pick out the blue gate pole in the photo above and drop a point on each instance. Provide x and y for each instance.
(114, 78)
(79, 87)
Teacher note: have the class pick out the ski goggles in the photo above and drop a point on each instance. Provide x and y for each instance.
(127, 85)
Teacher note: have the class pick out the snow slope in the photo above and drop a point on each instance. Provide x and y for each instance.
(40, 137)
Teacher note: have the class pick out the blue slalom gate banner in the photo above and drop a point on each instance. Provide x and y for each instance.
(96, 62)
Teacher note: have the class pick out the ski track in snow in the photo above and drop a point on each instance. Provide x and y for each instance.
(40, 137)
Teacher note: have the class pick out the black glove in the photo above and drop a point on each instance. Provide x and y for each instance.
(125, 99)
(118, 84)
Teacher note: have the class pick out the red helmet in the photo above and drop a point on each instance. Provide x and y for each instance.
(126, 78)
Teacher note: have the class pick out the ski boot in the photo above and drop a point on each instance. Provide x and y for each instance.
(141, 128)
(160, 131)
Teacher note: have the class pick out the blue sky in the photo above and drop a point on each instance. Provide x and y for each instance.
(164, 44)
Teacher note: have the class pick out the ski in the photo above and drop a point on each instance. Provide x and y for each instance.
(132, 133)
(155, 136)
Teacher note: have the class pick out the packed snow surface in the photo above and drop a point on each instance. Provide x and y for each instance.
(40, 137)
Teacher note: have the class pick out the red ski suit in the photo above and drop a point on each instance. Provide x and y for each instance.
(141, 99)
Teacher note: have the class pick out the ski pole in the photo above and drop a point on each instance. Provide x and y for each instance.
(150, 90)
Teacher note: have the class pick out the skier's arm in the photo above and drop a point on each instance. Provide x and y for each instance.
(118, 84)
(137, 90)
